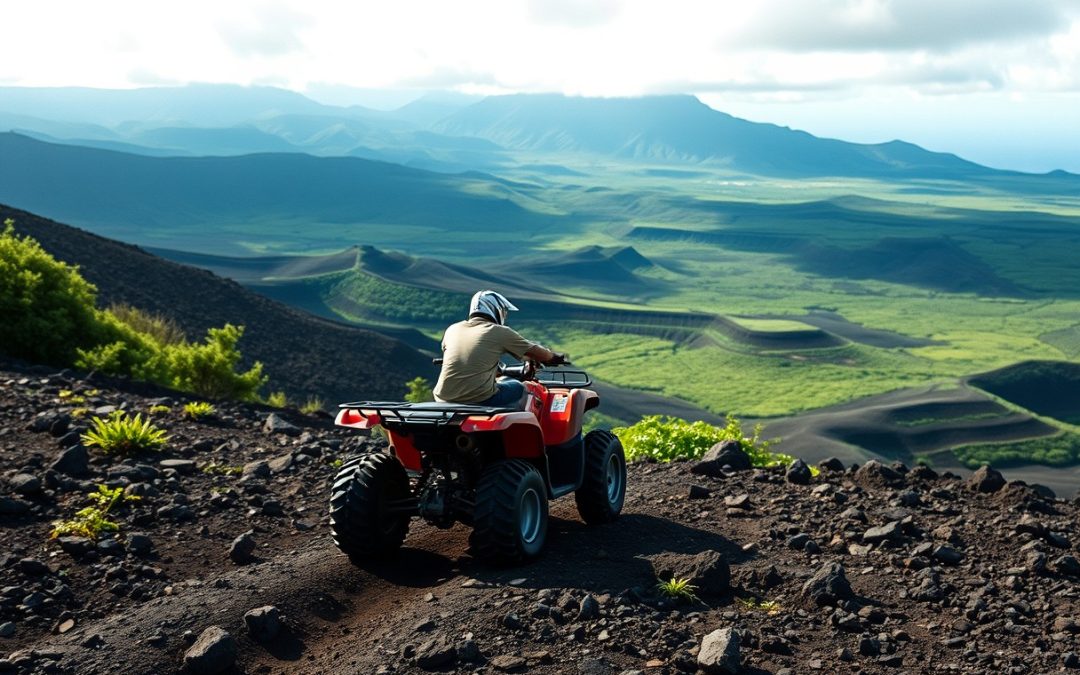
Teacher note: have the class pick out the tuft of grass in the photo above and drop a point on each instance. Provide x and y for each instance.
(121, 434)
(677, 589)
(277, 399)
(313, 405)
(69, 396)
(216, 469)
(92, 521)
(78, 413)
(336, 463)
(197, 410)
(753, 604)
(159, 409)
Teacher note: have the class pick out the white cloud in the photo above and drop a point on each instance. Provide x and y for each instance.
(269, 30)
(876, 25)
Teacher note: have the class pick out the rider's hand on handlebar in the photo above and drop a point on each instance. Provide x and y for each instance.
(559, 359)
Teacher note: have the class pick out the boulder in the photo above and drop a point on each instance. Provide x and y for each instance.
(828, 585)
(986, 479)
(799, 473)
(263, 623)
(724, 453)
(876, 474)
(25, 484)
(213, 652)
(260, 468)
(831, 464)
(75, 461)
(275, 424)
(888, 532)
(435, 654)
(719, 652)
(242, 550)
(708, 570)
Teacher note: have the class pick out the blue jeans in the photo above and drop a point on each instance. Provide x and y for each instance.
(509, 393)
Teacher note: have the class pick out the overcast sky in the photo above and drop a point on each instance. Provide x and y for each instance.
(997, 81)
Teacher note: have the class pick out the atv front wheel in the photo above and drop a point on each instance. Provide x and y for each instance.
(511, 514)
(363, 523)
(603, 490)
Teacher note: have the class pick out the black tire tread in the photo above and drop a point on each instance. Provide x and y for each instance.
(354, 503)
(591, 497)
(495, 529)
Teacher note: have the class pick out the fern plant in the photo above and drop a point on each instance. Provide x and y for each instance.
(122, 434)
(92, 521)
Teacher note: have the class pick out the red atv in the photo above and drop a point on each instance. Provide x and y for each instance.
(491, 468)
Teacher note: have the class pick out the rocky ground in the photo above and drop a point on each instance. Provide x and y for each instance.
(224, 564)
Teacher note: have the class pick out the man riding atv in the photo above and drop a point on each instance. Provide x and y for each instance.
(488, 454)
(472, 350)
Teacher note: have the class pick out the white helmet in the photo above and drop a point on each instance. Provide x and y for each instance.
(491, 304)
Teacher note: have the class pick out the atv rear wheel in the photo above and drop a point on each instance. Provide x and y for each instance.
(511, 514)
(603, 489)
(361, 523)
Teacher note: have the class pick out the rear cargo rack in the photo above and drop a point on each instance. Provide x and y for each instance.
(425, 413)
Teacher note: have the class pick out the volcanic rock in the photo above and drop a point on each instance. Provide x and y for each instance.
(708, 571)
(242, 549)
(263, 623)
(719, 652)
(724, 453)
(798, 473)
(75, 461)
(876, 474)
(828, 585)
(986, 479)
(213, 652)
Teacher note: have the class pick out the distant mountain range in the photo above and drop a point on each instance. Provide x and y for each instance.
(446, 133)
(138, 198)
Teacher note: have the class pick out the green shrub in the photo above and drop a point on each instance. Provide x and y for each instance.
(313, 405)
(419, 391)
(50, 317)
(91, 521)
(665, 438)
(197, 410)
(209, 369)
(121, 434)
(48, 308)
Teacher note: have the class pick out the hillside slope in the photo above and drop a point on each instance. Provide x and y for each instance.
(152, 199)
(303, 355)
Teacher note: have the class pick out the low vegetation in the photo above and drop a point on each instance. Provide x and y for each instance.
(92, 521)
(677, 589)
(1060, 450)
(122, 434)
(419, 391)
(663, 438)
(277, 399)
(313, 405)
(51, 317)
(756, 605)
(198, 410)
